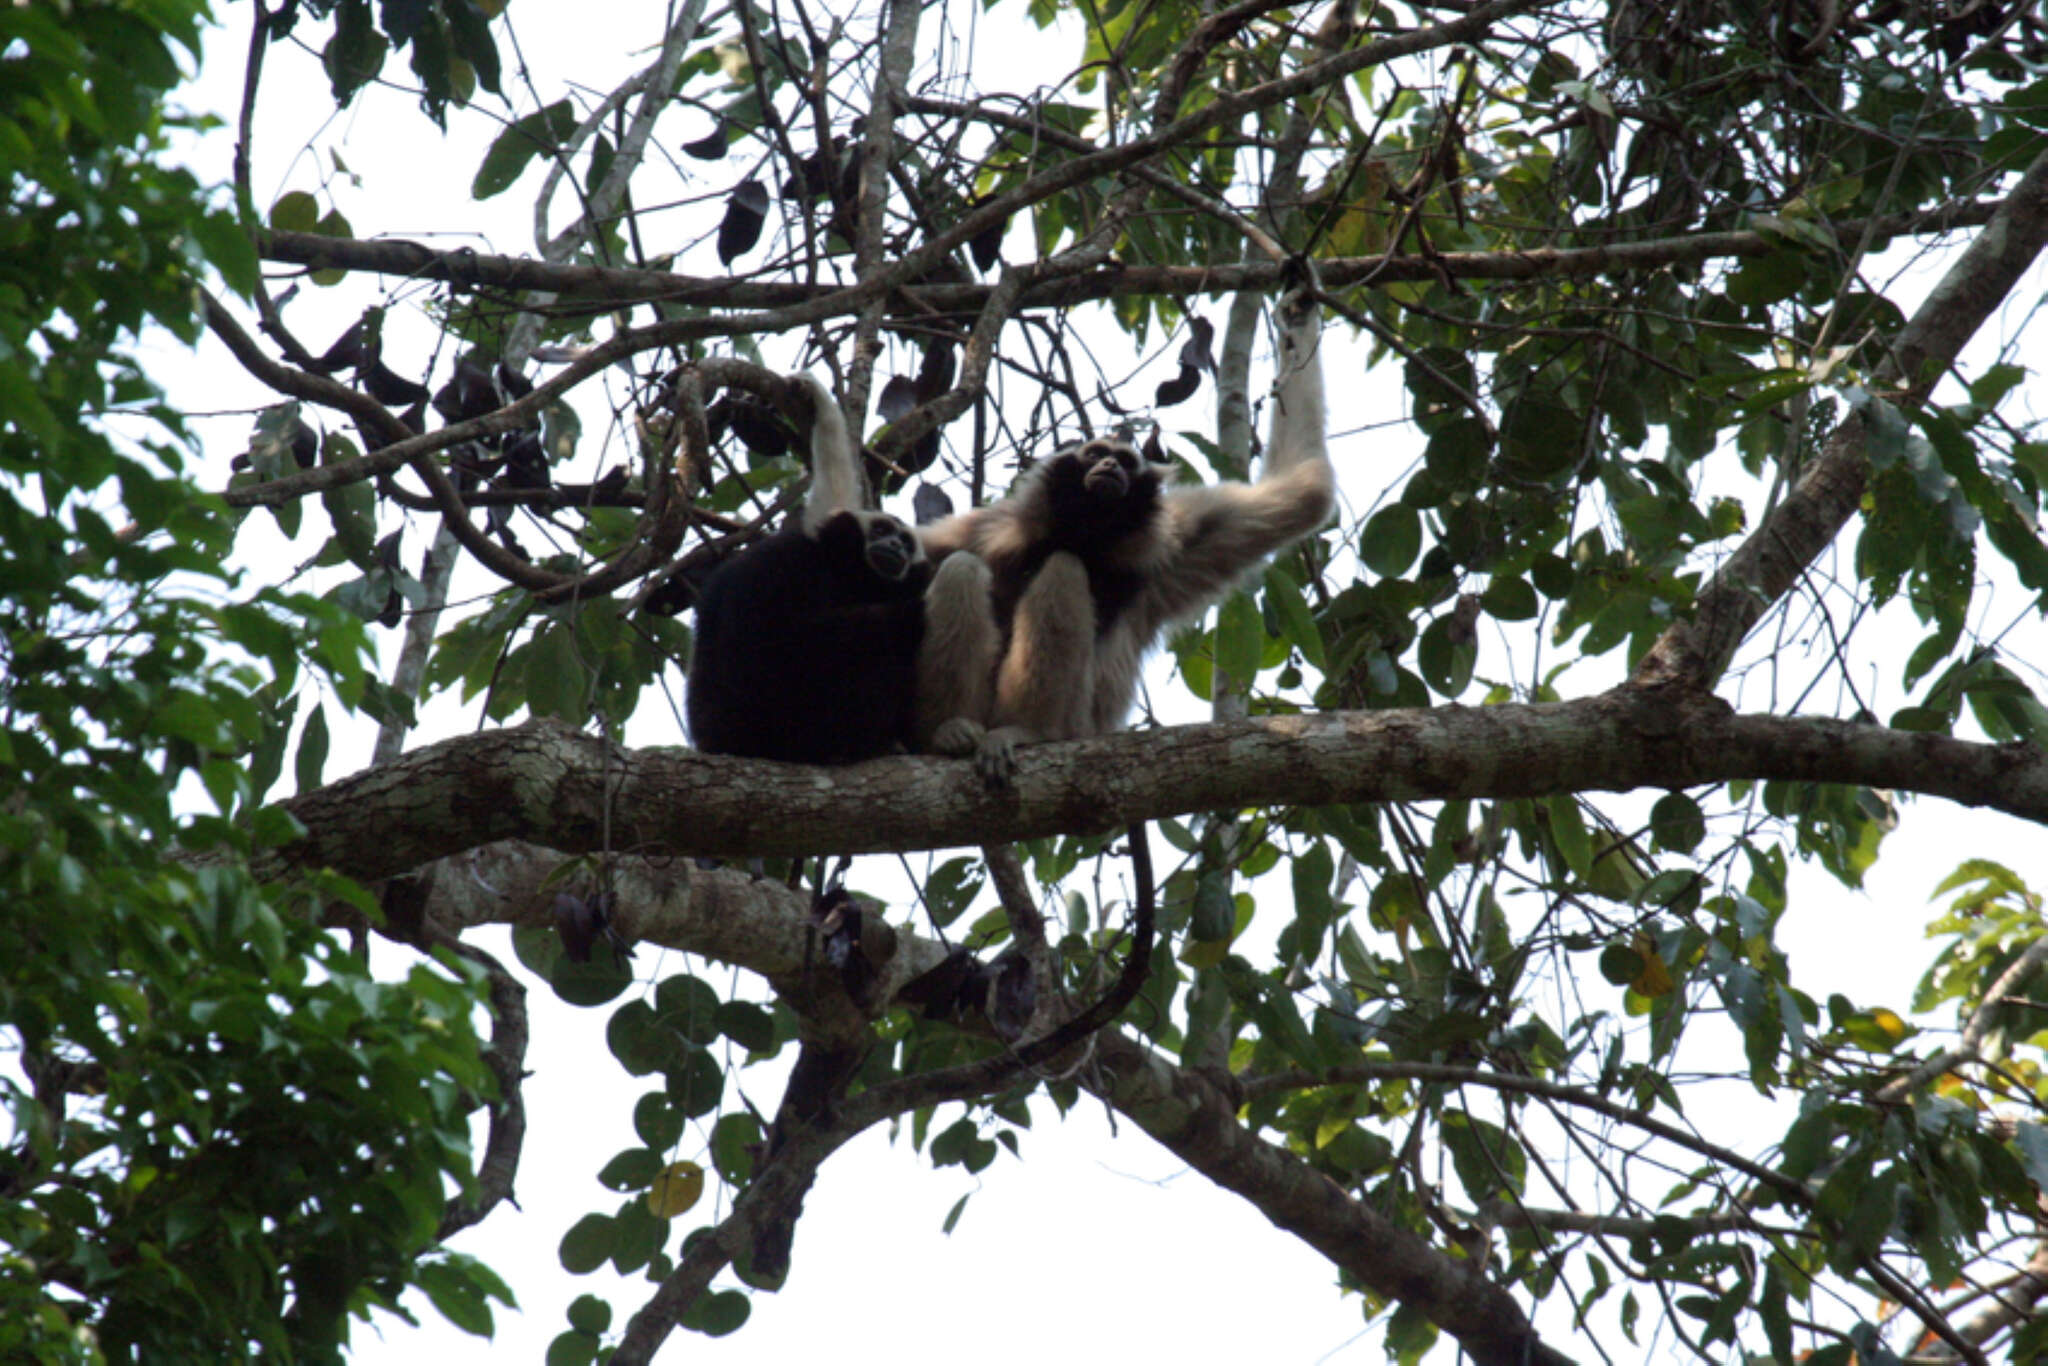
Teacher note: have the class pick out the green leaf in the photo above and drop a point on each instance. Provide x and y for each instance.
(734, 1141)
(457, 1298)
(311, 759)
(589, 1314)
(229, 251)
(1446, 667)
(658, 1120)
(632, 1170)
(718, 1313)
(1540, 438)
(639, 1041)
(1296, 623)
(2031, 1141)
(356, 52)
(295, 211)
(574, 1348)
(537, 134)
(690, 1007)
(1240, 639)
(1280, 1022)
(1439, 377)
(1212, 915)
(951, 889)
(1313, 871)
(1621, 965)
(1509, 599)
(588, 1244)
(1391, 540)
(1763, 280)
(697, 1085)
(1458, 455)
(592, 983)
(1677, 823)
(1568, 831)
(557, 679)
(747, 1025)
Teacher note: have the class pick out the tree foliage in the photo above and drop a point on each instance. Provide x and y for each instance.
(1684, 581)
(208, 1084)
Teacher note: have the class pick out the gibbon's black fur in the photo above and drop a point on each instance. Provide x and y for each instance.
(1044, 604)
(807, 643)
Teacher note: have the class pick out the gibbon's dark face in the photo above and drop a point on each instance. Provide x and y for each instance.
(891, 548)
(1110, 469)
(1097, 494)
(886, 548)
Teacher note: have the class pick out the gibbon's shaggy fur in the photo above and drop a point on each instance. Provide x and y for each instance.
(807, 642)
(1044, 604)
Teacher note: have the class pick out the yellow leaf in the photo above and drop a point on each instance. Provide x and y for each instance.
(680, 1185)
(1655, 978)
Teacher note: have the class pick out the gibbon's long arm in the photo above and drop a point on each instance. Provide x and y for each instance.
(835, 467)
(1217, 531)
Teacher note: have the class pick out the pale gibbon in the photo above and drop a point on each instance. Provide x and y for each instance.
(807, 643)
(1044, 604)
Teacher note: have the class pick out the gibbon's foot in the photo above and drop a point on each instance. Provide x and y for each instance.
(996, 757)
(994, 751)
(959, 737)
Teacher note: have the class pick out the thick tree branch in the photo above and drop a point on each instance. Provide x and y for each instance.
(549, 785)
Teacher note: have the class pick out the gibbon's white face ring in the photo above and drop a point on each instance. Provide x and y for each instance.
(891, 550)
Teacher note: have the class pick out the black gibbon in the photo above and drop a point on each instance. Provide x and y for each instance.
(807, 643)
(1044, 604)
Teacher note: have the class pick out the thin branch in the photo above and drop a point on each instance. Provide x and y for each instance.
(1020, 908)
(378, 424)
(506, 1057)
(877, 155)
(1575, 1096)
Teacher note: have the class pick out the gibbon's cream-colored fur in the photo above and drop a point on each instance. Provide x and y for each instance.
(1044, 603)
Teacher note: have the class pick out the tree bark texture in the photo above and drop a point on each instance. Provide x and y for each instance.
(549, 784)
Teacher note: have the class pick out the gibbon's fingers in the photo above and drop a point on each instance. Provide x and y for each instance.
(835, 466)
(956, 664)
